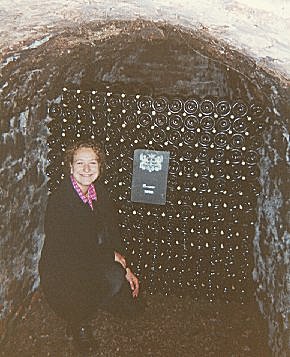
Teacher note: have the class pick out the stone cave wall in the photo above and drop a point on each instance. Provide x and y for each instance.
(35, 76)
(22, 188)
(272, 238)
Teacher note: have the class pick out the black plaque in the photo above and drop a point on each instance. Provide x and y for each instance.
(149, 181)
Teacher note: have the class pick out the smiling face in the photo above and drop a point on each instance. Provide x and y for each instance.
(85, 167)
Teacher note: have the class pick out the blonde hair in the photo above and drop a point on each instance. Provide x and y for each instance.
(70, 152)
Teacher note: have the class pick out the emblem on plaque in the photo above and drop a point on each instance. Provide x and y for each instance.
(151, 162)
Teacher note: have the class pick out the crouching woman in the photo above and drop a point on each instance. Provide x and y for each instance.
(82, 266)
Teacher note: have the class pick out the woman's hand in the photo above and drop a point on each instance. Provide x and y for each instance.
(120, 259)
(133, 281)
(131, 277)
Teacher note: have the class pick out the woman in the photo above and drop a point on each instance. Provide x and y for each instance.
(82, 266)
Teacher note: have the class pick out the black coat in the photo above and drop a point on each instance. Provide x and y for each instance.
(78, 249)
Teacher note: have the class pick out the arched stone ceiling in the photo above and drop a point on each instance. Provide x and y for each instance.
(257, 28)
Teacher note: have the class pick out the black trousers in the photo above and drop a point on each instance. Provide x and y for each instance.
(77, 307)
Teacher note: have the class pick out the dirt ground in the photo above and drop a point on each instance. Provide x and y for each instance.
(170, 326)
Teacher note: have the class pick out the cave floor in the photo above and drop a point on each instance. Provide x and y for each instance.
(170, 326)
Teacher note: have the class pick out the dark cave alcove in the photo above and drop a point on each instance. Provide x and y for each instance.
(200, 241)
(156, 60)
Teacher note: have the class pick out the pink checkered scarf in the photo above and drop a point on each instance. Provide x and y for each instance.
(89, 197)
